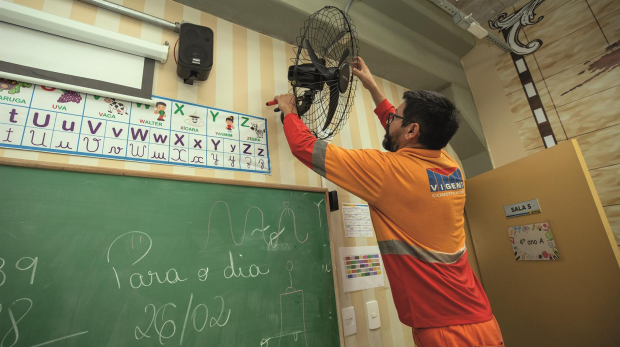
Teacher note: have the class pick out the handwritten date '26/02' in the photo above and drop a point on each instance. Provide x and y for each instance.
(166, 329)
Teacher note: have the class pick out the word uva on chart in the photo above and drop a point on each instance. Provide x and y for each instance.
(170, 131)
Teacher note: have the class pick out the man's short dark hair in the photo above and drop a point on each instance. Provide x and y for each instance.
(437, 116)
(160, 104)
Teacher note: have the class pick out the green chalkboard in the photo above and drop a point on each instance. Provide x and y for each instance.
(94, 259)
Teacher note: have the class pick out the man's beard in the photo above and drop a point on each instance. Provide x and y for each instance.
(388, 141)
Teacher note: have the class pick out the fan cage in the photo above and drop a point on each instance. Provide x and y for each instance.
(330, 32)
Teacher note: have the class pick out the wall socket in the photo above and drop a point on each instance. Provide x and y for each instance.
(348, 321)
(372, 315)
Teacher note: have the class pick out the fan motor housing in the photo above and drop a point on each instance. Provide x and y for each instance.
(195, 59)
(307, 76)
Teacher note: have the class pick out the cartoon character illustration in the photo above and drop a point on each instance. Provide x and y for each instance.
(195, 120)
(115, 106)
(230, 120)
(160, 109)
(69, 96)
(259, 132)
(12, 86)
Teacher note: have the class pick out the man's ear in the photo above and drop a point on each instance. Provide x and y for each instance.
(412, 131)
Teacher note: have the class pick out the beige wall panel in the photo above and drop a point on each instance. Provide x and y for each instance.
(611, 26)
(571, 50)
(36, 4)
(130, 26)
(83, 12)
(601, 148)
(495, 116)
(589, 114)
(167, 80)
(530, 136)
(543, 91)
(519, 105)
(601, 8)
(54, 158)
(544, 8)
(561, 22)
(607, 182)
(501, 57)
(510, 79)
(561, 84)
(613, 216)
(532, 64)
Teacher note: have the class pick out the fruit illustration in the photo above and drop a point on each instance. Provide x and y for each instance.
(69, 96)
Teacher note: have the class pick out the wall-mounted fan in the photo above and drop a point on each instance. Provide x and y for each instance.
(320, 76)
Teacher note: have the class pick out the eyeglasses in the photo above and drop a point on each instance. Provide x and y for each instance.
(391, 117)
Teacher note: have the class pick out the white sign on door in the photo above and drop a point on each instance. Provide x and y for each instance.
(522, 208)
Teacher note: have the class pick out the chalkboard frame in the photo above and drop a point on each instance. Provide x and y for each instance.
(35, 164)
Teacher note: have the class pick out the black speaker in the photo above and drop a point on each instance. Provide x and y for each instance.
(195, 53)
(333, 201)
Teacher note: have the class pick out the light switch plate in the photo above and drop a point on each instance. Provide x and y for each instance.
(348, 321)
(372, 315)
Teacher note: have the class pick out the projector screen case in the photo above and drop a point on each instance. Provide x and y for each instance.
(60, 85)
(37, 20)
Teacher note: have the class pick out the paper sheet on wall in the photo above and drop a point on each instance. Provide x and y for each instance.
(361, 268)
(357, 222)
(533, 242)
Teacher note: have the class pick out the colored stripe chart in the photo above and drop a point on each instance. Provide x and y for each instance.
(170, 131)
(363, 265)
(361, 268)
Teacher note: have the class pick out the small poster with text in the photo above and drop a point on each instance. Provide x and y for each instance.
(533, 242)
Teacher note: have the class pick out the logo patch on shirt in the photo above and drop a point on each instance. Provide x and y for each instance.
(446, 179)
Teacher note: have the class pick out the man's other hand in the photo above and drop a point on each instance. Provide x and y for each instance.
(286, 103)
(361, 71)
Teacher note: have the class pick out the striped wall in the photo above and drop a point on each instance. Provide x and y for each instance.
(249, 69)
(576, 34)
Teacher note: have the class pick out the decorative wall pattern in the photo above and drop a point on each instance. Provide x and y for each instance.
(578, 66)
(510, 25)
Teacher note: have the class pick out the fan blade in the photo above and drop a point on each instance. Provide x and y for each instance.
(333, 104)
(315, 60)
(345, 54)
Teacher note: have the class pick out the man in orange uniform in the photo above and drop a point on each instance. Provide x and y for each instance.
(416, 195)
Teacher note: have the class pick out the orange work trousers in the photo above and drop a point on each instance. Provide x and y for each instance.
(485, 334)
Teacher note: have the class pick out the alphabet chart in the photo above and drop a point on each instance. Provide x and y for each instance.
(173, 132)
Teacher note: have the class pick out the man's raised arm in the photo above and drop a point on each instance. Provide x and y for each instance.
(384, 108)
(361, 172)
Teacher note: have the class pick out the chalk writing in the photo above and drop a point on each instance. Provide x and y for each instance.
(253, 270)
(166, 328)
